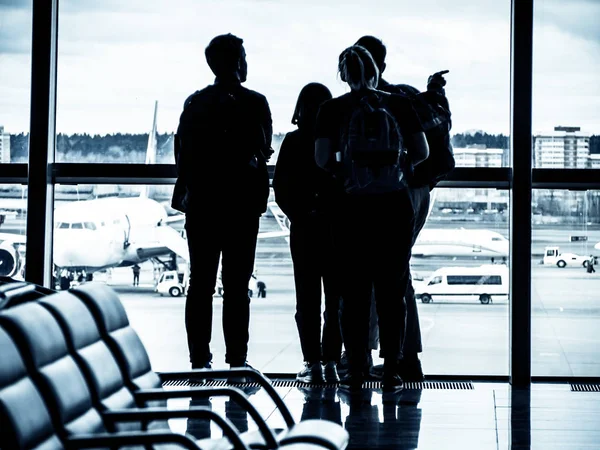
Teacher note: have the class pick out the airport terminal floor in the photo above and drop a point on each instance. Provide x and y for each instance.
(436, 416)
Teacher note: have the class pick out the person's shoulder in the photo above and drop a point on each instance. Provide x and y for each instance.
(294, 134)
(335, 103)
(196, 96)
(255, 95)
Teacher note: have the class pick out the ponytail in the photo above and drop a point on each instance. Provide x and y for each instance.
(358, 69)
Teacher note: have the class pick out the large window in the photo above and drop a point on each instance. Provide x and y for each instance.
(565, 283)
(120, 91)
(15, 80)
(110, 74)
(566, 92)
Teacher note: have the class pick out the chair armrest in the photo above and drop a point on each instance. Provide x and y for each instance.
(205, 392)
(134, 414)
(113, 440)
(254, 374)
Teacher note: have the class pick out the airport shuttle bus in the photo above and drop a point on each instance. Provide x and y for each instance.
(464, 283)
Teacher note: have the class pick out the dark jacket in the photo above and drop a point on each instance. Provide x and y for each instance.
(433, 110)
(222, 131)
(301, 187)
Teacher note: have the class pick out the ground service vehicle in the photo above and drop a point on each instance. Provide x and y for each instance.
(553, 256)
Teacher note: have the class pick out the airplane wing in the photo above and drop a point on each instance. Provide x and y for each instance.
(281, 219)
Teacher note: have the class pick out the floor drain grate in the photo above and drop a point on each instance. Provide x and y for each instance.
(581, 387)
(444, 385)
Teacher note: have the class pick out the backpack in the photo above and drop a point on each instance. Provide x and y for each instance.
(371, 156)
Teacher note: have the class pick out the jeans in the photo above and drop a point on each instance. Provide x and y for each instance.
(236, 245)
(312, 255)
(412, 343)
(373, 238)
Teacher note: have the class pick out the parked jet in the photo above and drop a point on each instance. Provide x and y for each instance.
(93, 235)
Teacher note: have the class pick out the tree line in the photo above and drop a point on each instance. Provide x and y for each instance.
(132, 147)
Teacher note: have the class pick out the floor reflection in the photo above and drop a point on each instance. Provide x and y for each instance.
(201, 429)
(397, 426)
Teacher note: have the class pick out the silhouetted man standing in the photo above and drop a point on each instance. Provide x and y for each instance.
(224, 140)
(136, 275)
(434, 114)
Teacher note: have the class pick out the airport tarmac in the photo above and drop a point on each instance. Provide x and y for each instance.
(458, 337)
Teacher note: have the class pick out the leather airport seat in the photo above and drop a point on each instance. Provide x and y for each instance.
(101, 369)
(130, 352)
(53, 369)
(25, 421)
(45, 402)
(93, 357)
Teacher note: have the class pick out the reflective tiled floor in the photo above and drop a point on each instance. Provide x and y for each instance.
(490, 416)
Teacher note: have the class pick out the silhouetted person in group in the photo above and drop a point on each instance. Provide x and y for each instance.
(306, 194)
(434, 115)
(373, 229)
(136, 274)
(224, 135)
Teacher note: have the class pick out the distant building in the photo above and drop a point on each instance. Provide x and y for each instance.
(595, 161)
(564, 148)
(4, 146)
(479, 155)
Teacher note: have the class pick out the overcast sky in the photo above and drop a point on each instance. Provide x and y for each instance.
(117, 57)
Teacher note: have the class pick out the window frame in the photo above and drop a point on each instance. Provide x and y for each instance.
(42, 173)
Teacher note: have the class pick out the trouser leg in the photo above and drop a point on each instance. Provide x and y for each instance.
(204, 249)
(307, 280)
(420, 199)
(239, 251)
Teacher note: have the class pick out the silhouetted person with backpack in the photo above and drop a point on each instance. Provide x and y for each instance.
(370, 139)
(305, 193)
(224, 135)
(434, 114)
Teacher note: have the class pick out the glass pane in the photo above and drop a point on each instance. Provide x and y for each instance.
(111, 73)
(15, 80)
(565, 294)
(13, 223)
(565, 85)
(460, 273)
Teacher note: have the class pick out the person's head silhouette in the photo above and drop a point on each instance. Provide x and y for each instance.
(307, 106)
(358, 69)
(376, 48)
(226, 57)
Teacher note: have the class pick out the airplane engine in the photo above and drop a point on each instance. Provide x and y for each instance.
(9, 260)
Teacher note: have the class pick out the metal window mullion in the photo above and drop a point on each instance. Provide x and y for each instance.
(42, 137)
(520, 199)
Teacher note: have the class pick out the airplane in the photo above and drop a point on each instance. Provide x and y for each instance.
(94, 235)
(457, 242)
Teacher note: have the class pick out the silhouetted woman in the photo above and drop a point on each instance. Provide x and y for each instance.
(304, 193)
(374, 228)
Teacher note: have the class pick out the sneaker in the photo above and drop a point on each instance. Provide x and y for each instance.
(311, 373)
(238, 379)
(352, 381)
(392, 383)
(410, 369)
(331, 373)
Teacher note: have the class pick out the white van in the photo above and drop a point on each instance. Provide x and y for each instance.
(461, 283)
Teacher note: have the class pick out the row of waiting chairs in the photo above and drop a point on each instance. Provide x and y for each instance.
(74, 374)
